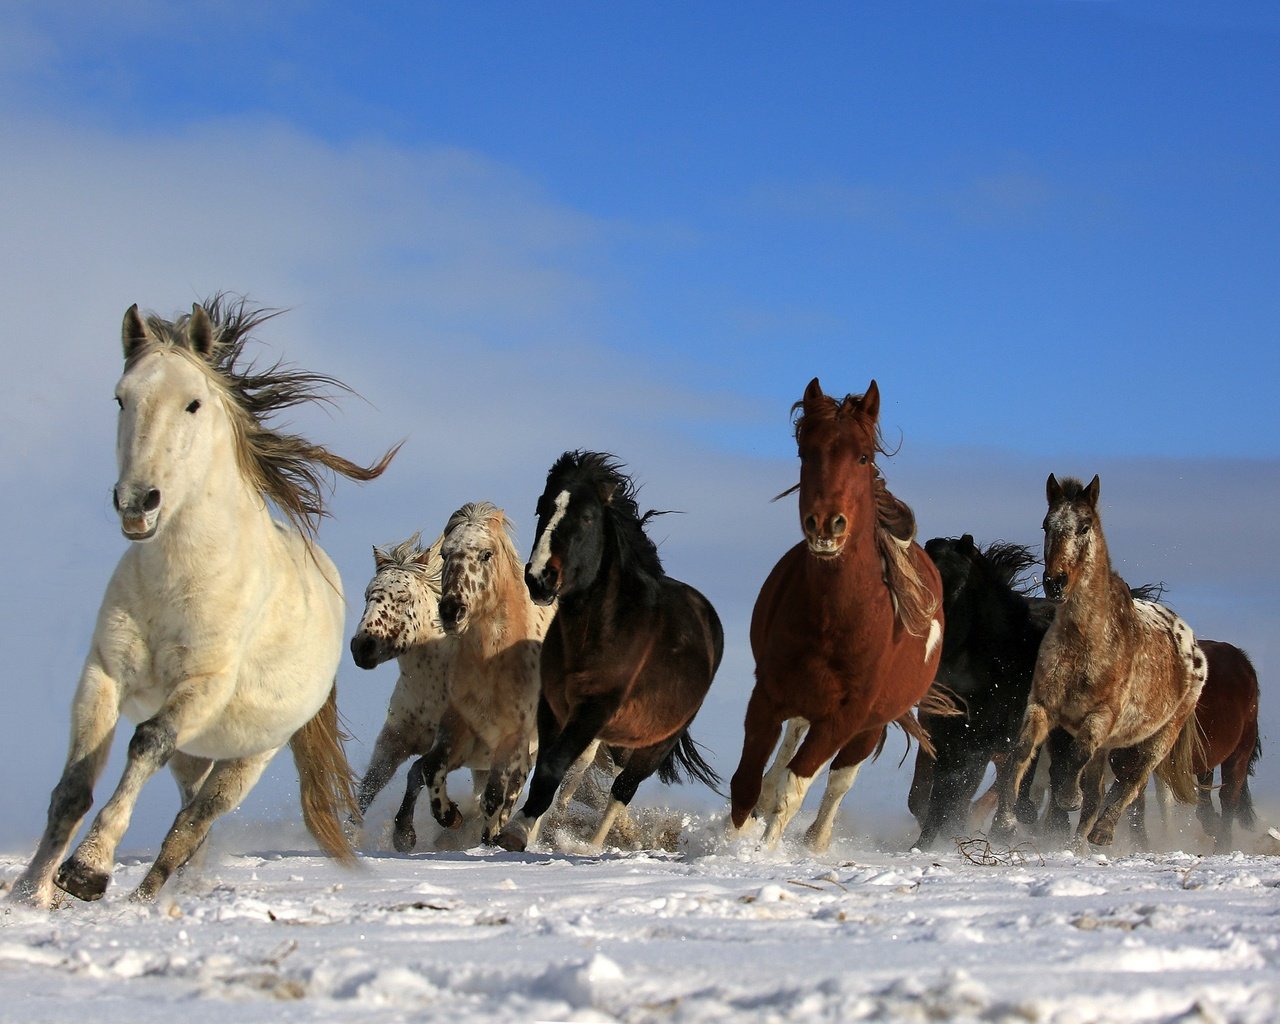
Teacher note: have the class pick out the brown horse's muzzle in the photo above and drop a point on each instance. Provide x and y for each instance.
(826, 533)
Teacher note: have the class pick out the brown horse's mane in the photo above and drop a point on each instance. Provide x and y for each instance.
(915, 604)
(290, 471)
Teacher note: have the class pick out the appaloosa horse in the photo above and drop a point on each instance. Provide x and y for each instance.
(847, 629)
(1121, 675)
(221, 629)
(631, 652)
(493, 681)
(401, 620)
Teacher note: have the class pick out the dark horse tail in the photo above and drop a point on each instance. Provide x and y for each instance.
(686, 761)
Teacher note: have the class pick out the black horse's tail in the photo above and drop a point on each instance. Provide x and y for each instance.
(685, 760)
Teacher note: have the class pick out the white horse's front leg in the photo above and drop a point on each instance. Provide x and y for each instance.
(224, 788)
(190, 707)
(94, 714)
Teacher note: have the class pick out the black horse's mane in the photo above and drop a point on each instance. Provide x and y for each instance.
(602, 473)
(1011, 564)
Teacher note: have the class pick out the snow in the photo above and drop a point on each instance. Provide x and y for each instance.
(712, 930)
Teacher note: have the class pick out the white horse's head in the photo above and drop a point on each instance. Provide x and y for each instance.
(400, 603)
(173, 423)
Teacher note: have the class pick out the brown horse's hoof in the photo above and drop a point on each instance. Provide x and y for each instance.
(1101, 835)
(81, 881)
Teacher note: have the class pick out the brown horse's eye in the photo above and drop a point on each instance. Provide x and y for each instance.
(862, 460)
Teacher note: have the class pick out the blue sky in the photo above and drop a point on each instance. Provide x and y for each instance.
(1049, 230)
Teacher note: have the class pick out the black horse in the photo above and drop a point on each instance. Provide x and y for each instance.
(631, 652)
(990, 642)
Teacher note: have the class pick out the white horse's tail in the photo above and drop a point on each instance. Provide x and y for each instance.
(326, 780)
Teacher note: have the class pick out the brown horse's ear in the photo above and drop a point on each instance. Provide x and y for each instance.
(871, 401)
(133, 333)
(1053, 490)
(1091, 492)
(200, 331)
(813, 392)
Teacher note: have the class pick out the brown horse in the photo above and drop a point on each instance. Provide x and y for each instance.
(1121, 675)
(1227, 721)
(631, 651)
(847, 629)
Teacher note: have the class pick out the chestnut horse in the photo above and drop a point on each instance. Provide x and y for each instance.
(1121, 675)
(847, 629)
(631, 651)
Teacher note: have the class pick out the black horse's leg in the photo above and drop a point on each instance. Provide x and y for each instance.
(641, 763)
(554, 759)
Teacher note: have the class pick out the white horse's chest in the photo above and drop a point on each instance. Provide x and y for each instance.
(259, 636)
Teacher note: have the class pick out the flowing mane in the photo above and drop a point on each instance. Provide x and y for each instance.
(407, 555)
(291, 472)
(1011, 564)
(603, 473)
(915, 604)
(487, 514)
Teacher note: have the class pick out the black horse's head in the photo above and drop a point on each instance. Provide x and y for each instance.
(587, 509)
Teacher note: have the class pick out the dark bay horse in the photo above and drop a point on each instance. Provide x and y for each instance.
(989, 647)
(1227, 717)
(847, 629)
(631, 651)
(1121, 675)
(1227, 722)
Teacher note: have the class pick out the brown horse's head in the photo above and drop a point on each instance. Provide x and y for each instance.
(837, 441)
(1072, 534)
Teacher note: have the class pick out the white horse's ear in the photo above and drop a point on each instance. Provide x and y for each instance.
(200, 331)
(380, 558)
(133, 333)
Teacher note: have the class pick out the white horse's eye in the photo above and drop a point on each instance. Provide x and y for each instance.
(195, 404)
(119, 401)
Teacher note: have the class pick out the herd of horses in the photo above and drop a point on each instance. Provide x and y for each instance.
(221, 632)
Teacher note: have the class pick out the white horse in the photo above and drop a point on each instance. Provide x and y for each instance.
(494, 682)
(221, 629)
(401, 620)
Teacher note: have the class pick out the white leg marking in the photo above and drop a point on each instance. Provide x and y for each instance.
(771, 788)
(793, 790)
(610, 815)
(542, 553)
(818, 837)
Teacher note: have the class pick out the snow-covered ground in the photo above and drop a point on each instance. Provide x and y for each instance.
(712, 931)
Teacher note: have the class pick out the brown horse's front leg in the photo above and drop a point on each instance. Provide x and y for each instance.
(1035, 727)
(763, 725)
